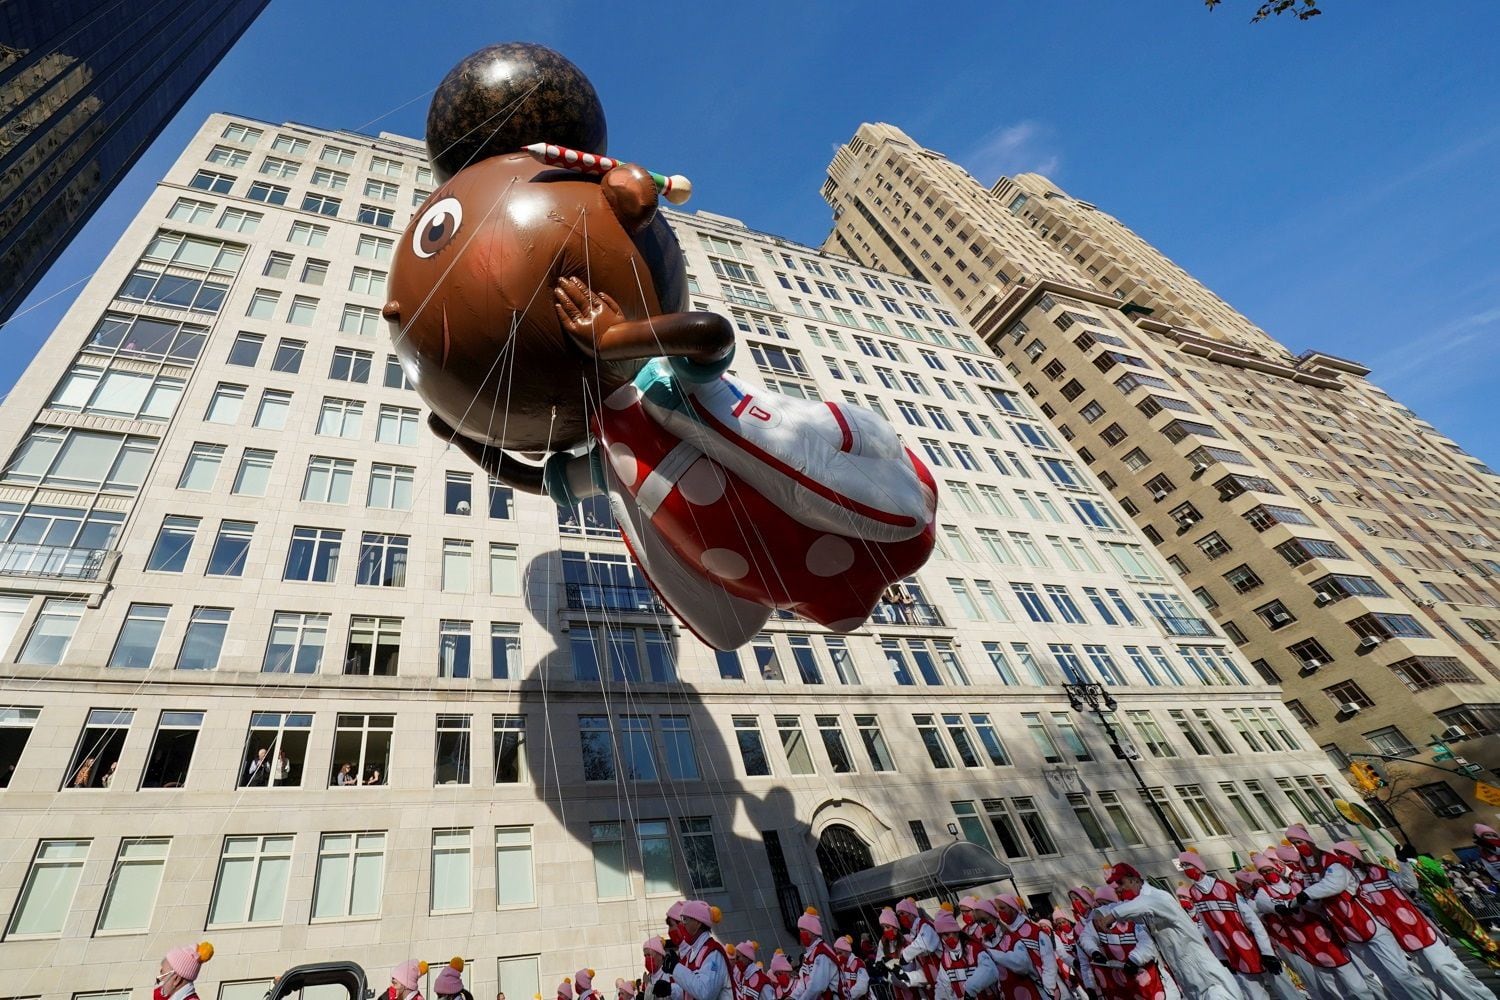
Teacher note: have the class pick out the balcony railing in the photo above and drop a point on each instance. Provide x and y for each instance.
(613, 597)
(906, 613)
(54, 562)
(1185, 626)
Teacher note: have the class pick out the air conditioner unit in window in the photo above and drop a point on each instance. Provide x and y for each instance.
(1158, 495)
(1199, 468)
(1369, 642)
(1453, 810)
(1454, 733)
(1347, 709)
(1280, 618)
(1426, 604)
(1309, 667)
(1314, 499)
(1323, 597)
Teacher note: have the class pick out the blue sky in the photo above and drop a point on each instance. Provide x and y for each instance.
(1335, 180)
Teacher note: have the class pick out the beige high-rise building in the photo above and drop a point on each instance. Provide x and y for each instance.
(282, 671)
(1347, 546)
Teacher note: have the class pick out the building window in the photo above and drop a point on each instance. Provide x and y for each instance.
(452, 871)
(295, 644)
(390, 487)
(374, 647)
(351, 876)
(1165, 813)
(307, 234)
(253, 477)
(794, 744)
(455, 649)
(452, 752)
(275, 749)
(1089, 820)
(349, 365)
(457, 568)
(231, 548)
(874, 743)
(1124, 826)
(1243, 580)
(373, 215)
(364, 743)
(611, 879)
(47, 892)
(174, 540)
(172, 750)
(1202, 810)
(134, 882)
(252, 879)
(327, 480)
(1346, 694)
(658, 869)
(1392, 741)
(932, 741)
(313, 556)
(201, 468)
(1442, 799)
(382, 560)
(510, 749)
(505, 651)
(396, 425)
(97, 754)
(1274, 613)
(677, 738)
(515, 877)
(700, 853)
(752, 748)
(16, 725)
(831, 730)
(271, 414)
(505, 570)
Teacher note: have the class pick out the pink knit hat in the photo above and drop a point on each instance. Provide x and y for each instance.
(908, 906)
(674, 912)
(624, 988)
(1287, 853)
(968, 901)
(809, 922)
(187, 961)
(1106, 894)
(1010, 900)
(697, 909)
(654, 943)
(1298, 832)
(1184, 893)
(987, 908)
(844, 944)
(779, 962)
(1348, 848)
(1194, 859)
(945, 923)
(1480, 830)
(747, 948)
(409, 973)
(1246, 879)
(1059, 915)
(450, 982)
(1084, 893)
(1045, 924)
(888, 918)
(565, 989)
(1265, 859)
(585, 979)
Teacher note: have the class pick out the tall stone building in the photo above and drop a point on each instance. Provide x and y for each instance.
(1346, 545)
(85, 86)
(283, 671)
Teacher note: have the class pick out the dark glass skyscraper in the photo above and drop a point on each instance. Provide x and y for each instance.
(85, 86)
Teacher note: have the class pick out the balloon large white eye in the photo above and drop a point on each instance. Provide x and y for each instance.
(438, 226)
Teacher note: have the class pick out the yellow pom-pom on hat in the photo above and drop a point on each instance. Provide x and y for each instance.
(592, 973)
(945, 906)
(456, 963)
(422, 968)
(811, 911)
(716, 913)
(205, 951)
(567, 979)
(729, 950)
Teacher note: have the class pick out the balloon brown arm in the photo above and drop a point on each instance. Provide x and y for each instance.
(703, 337)
(500, 466)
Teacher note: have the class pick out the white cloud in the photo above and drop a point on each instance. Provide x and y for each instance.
(1023, 147)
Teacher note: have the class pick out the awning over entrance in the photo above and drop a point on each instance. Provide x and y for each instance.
(950, 868)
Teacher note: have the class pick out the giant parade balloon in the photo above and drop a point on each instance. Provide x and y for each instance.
(539, 307)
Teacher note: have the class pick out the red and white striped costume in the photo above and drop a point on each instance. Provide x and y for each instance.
(1028, 969)
(751, 981)
(1216, 904)
(922, 948)
(854, 981)
(958, 965)
(801, 987)
(1411, 928)
(1349, 916)
(1120, 943)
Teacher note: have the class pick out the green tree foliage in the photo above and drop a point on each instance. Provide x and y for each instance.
(1302, 10)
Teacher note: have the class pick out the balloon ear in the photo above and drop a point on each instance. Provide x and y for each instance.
(631, 195)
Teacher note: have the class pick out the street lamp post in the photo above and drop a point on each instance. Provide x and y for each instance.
(1094, 698)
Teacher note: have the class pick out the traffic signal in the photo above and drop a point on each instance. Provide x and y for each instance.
(1364, 777)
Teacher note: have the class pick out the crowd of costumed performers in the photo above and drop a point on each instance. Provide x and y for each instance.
(1301, 920)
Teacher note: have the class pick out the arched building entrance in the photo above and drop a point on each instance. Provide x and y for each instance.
(842, 852)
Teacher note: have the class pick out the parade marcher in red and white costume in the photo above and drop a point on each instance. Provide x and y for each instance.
(781, 975)
(1331, 888)
(1028, 967)
(1233, 929)
(702, 968)
(818, 975)
(920, 945)
(449, 982)
(1488, 841)
(583, 985)
(624, 989)
(958, 961)
(653, 953)
(565, 989)
(406, 979)
(1181, 944)
(1409, 926)
(1118, 960)
(751, 981)
(888, 954)
(1065, 940)
(1305, 937)
(854, 978)
(177, 978)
